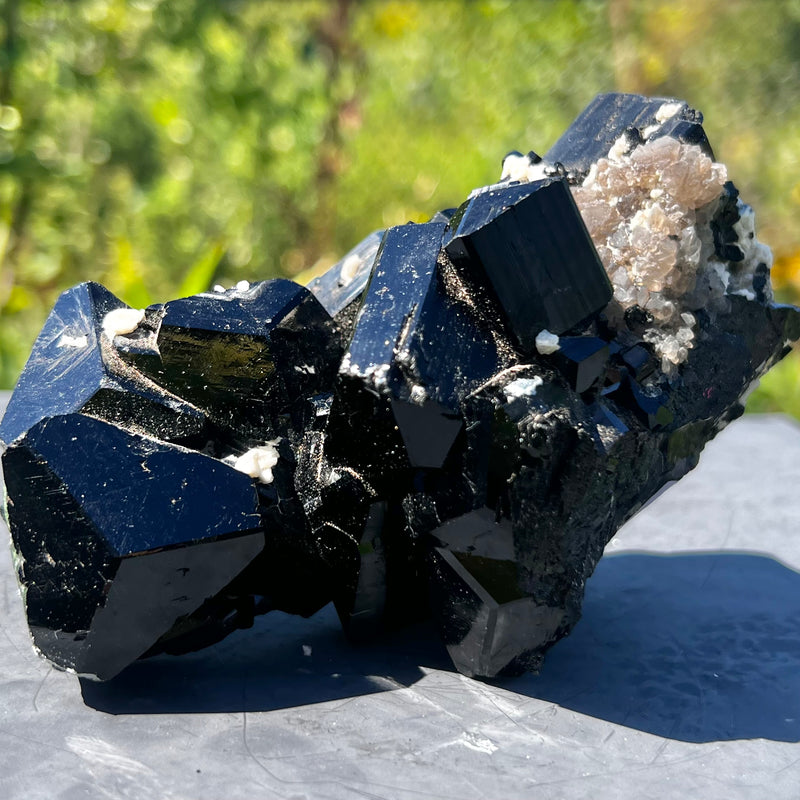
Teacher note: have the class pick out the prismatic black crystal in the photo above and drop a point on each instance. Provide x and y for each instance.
(527, 244)
(453, 420)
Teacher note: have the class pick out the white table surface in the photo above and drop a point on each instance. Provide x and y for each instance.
(681, 681)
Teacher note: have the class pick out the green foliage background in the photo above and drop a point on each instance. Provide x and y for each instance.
(158, 146)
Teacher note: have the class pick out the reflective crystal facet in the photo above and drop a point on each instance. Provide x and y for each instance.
(117, 535)
(75, 368)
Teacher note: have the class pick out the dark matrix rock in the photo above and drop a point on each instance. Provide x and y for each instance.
(453, 420)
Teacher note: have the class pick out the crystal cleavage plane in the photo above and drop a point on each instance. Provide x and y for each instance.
(454, 419)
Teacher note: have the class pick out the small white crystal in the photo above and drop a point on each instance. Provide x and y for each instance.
(258, 462)
(515, 167)
(684, 336)
(242, 286)
(668, 110)
(546, 342)
(745, 226)
(72, 341)
(418, 394)
(619, 149)
(536, 172)
(522, 387)
(349, 270)
(721, 270)
(121, 321)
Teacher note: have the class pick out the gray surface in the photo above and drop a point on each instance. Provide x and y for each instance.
(681, 681)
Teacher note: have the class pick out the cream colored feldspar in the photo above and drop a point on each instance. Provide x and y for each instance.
(648, 212)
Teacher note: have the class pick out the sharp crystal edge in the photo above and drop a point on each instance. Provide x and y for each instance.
(453, 420)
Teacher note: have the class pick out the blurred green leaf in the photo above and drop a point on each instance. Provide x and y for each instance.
(201, 273)
(126, 278)
(19, 298)
(779, 389)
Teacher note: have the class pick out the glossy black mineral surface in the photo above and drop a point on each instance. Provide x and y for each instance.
(453, 420)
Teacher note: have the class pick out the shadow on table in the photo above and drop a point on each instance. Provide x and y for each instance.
(281, 662)
(695, 647)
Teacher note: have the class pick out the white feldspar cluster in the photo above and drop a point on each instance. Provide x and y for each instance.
(648, 211)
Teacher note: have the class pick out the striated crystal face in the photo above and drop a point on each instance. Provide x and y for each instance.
(453, 420)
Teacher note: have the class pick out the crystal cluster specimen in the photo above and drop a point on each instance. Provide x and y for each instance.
(454, 419)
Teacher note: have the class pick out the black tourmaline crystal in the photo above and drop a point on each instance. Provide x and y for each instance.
(454, 419)
(527, 244)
